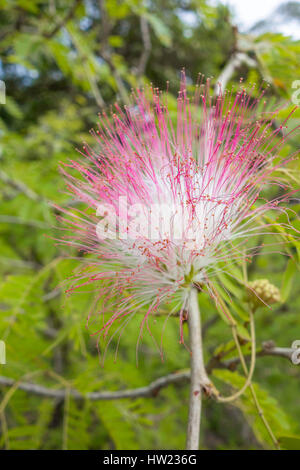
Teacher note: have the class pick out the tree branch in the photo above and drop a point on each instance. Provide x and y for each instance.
(146, 38)
(199, 380)
(10, 219)
(63, 21)
(236, 60)
(16, 184)
(268, 349)
(150, 390)
(106, 53)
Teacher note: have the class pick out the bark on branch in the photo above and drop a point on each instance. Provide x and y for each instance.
(199, 380)
(150, 390)
(237, 59)
(21, 187)
(268, 349)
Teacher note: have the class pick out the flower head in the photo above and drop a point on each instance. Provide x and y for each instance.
(168, 199)
(262, 292)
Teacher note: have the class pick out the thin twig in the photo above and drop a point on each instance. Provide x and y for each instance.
(20, 263)
(148, 391)
(268, 349)
(20, 186)
(10, 219)
(252, 367)
(14, 387)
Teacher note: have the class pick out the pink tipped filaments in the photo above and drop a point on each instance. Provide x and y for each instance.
(213, 163)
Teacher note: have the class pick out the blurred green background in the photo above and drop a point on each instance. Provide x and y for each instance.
(61, 61)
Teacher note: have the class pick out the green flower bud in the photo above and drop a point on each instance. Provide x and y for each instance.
(261, 292)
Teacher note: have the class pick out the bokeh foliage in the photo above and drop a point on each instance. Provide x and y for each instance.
(61, 61)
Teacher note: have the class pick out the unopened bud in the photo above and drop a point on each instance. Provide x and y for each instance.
(262, 292)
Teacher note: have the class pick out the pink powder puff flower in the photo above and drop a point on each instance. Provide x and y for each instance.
(203, 174)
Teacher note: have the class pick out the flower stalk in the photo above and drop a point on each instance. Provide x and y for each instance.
(200, 382)
(252, 390)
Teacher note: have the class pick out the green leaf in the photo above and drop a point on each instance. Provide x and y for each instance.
(231, 285)
(279, 421)
(115, 41)
(116, 420)
(243, 332)
(290, 442)
(287, 281)
(161, 30)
